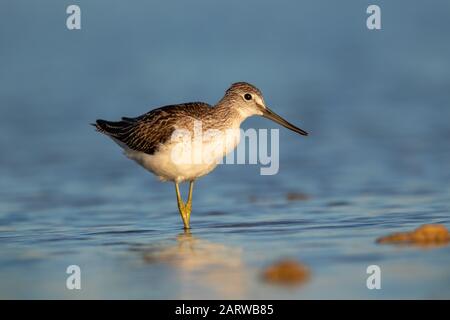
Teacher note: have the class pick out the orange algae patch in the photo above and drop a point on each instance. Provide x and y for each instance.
(286, 272)
(425, 235)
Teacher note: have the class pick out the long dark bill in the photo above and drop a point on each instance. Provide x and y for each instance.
(269, 114)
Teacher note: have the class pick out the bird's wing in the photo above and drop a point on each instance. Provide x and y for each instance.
(148, 131)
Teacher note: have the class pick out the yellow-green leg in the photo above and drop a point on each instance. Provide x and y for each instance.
(185, 208)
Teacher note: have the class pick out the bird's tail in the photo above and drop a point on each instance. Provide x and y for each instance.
(111, 128)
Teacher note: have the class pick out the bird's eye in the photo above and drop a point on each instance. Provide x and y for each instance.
(248, 96)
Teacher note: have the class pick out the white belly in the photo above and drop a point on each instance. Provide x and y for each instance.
(186, 160)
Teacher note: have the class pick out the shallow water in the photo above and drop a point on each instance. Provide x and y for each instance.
(377, 160)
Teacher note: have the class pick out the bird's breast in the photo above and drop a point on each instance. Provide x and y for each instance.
(211, 146)
(187, 157)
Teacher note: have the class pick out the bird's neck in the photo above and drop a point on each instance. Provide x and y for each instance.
(230, 113)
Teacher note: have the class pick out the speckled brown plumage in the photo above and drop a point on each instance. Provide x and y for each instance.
(147, 132)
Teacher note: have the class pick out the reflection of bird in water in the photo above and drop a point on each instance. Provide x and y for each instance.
(148, 139)
(203, 266)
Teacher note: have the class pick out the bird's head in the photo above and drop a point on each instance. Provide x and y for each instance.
(248, 101)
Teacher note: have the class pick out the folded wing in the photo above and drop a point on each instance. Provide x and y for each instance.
(147, 132)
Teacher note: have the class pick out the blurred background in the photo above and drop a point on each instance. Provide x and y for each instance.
(376, 104)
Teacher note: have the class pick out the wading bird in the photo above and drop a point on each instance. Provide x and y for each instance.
(148, 139)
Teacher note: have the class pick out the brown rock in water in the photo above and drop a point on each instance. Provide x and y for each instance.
(426, 235)
(296, 196)
(286, 272)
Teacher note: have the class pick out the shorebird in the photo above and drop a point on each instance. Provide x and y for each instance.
(149, 139)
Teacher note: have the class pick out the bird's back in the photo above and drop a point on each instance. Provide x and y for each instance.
(147, 132)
